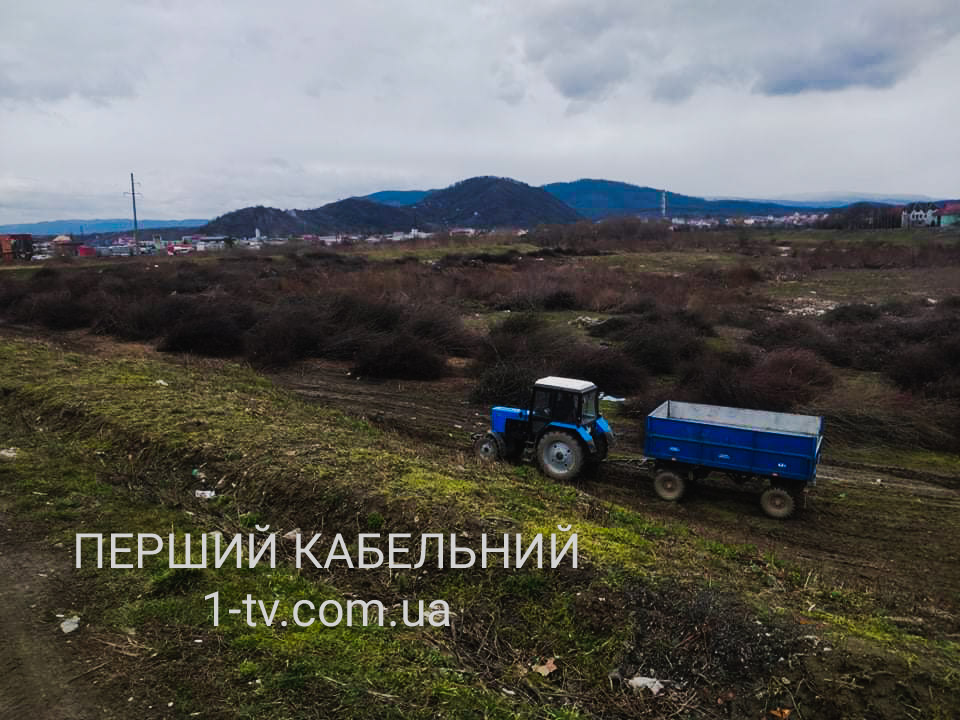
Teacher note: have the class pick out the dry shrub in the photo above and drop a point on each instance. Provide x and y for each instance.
(661, 347)
(930, 368)
(214, 328)
(880, 345)
(141, 320)
(46, 278)
(284, 335)
(901, 308)
(192, 279)
(58, 310)
(504, 383)
(741, 275)
(780, 381)
(873, 414)
(560, 300)
(611, 370)
(857, 313)
(443, 328)
(788, 378)
(587, 237)
(403, 357)
(525, 339)
(802, 334)
(657, 340)
(349, 310)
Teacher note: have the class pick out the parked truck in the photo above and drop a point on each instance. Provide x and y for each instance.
(688, 441)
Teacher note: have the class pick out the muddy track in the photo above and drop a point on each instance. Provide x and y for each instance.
(44, 674)
(864, 529)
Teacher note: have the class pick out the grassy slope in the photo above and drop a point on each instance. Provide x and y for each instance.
(113, 436)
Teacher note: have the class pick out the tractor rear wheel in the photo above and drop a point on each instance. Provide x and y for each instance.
(487, 447)
(778, 502)
(560, 455)
(669, 485)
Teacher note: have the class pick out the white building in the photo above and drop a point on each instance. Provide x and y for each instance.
(920, 214)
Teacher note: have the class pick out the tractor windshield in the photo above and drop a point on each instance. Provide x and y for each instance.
(589, 412)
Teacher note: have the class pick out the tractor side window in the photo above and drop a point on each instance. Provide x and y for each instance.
(566, 408)
(590, 407)
(541, 404)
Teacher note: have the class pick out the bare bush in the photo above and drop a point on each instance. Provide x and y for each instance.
(504, 384)
(403, 357)
(213, 328)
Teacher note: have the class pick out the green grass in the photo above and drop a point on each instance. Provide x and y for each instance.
(105, 448)
(390, 252)
(866, 285)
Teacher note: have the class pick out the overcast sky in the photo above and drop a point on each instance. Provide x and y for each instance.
(220, 105)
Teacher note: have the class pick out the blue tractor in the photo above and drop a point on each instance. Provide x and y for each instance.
(562, 429)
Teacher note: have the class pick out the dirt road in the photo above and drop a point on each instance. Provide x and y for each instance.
(44, 675)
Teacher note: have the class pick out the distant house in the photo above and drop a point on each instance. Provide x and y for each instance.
(16, 247)
(920, 214)
(950, 214)
(65, 246)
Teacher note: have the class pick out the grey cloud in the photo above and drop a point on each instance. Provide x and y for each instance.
(671, 51)
(834, 70)
(221, 104)
(47, 55)
(865, 49)
(581, 48)
(590, 75)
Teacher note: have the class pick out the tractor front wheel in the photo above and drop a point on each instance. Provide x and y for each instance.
(560, 455)
(487, 447)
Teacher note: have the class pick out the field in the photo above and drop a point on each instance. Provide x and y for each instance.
(337, 391)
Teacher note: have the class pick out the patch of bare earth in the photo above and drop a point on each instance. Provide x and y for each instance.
(45, 674)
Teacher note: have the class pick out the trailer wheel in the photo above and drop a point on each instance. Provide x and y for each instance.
(488, 447)
(560, 455)
(669, 485)
(778, 502)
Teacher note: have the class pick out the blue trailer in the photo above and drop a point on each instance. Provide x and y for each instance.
(688, 441)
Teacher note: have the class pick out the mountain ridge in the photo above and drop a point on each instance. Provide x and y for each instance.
(96, 225)
(479, 202)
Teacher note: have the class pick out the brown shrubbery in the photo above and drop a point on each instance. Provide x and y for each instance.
(526, 340)
(803, 334)
(504, 383)
(400, 356)
(657, 340)
(214, 328)
(402, 317)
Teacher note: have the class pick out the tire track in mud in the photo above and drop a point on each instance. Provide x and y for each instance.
(895, 536)
(38, 677)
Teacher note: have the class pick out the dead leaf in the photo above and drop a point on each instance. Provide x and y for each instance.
(726, 697)
(781, 713)
(548, 667)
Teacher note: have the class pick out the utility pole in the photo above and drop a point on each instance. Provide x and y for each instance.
(663, 204)
(133, 197)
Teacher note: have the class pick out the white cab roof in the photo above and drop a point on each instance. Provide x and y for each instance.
(559, 383)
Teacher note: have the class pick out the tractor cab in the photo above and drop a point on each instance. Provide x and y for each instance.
(562, 428)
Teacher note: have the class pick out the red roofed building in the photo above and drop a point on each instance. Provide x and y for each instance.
(950, 214)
